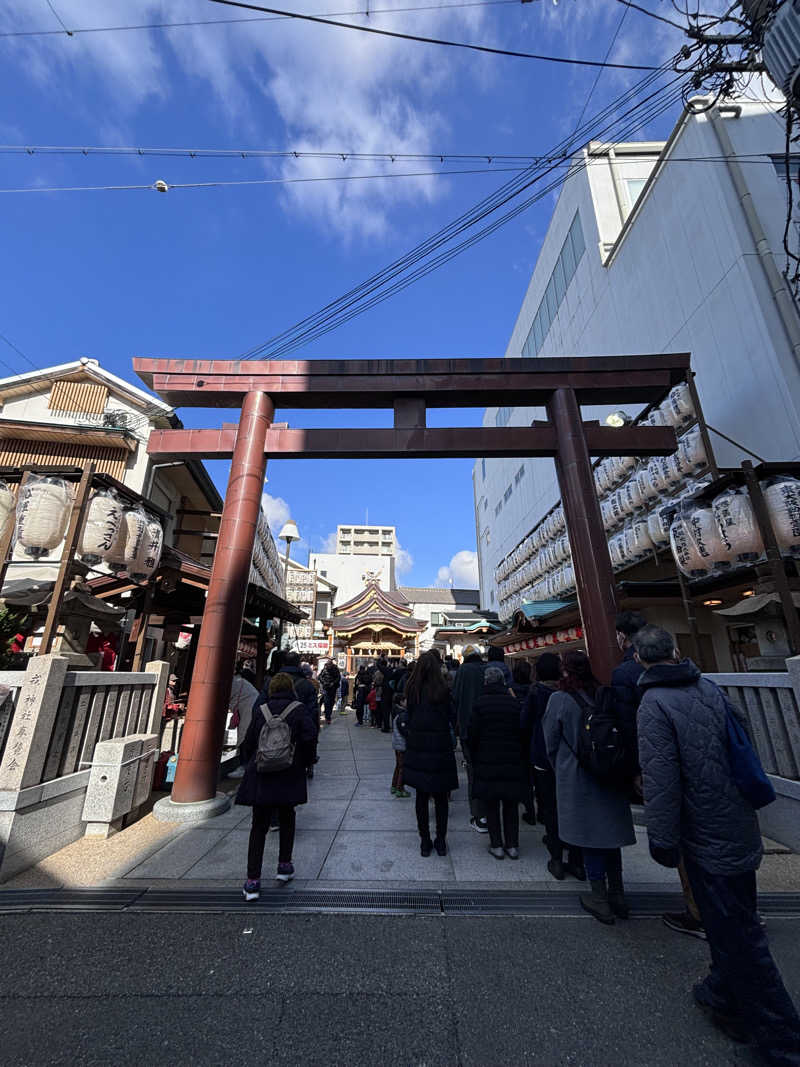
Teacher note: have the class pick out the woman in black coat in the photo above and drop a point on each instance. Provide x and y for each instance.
(499, 764)
(429, 766)
(278, 790)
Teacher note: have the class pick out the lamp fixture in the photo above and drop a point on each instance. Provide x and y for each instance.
(749, 592)
(618, 419)
(289, 532)
(711, 603)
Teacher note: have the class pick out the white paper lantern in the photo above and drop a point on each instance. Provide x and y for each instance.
(647, 489)
(632, 496)
(658, 473)
(658, 524)
(133, 529)
(688, 557)
(7, 507)
(705, 530)
(638, 542)
(149, 555)
(737, 526)
(679, 407)
(657, 417)
(42, 515)
(100, 532)
(693, 453)
(607, 514)
(783, 504)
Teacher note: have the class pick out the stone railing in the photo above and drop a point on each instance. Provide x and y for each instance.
(771, 703)
(48, 740)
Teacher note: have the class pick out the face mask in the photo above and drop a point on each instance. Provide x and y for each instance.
(621, 640)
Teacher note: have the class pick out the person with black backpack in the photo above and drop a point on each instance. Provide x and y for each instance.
(586, 750)
(277, 748)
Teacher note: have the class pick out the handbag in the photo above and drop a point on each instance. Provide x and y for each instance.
(235, 719)
(746, 770)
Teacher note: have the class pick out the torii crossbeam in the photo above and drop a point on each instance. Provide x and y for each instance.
(408, 387)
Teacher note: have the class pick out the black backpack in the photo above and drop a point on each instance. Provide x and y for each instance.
(602, 749)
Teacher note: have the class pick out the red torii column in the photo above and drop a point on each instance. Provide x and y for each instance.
(194, 794)
(597, 598)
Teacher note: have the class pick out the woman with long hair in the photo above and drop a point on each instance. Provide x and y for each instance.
(592, 814)
(429, 765)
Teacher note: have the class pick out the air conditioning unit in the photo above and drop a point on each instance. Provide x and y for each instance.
(118, 420)
(781, 48)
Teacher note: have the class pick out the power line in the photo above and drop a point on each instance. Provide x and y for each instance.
(234, 22)
(18, 351)
(261, 153)
(410, 267)
(600, 72)
(256, 181)
(431, 40)
(652, 14)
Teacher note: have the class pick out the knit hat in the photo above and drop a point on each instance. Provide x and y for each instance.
(493, 676)
(307, 669)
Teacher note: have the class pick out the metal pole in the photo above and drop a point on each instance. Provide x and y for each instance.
(261, 651)
(285, 589)
(691, 620)
(594, 576)
(201, 746)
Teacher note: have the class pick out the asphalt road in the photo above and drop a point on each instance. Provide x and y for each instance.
(100, 988)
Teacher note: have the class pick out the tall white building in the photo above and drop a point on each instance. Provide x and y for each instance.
(662, 247)
(366, 541)
(362, 552)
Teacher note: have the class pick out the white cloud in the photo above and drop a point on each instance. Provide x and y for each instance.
(276, 511)
(331, 88)
(461, 572)
(329, 543)
(403, 560)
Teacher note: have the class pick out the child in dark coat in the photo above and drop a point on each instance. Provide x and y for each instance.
(278, 791)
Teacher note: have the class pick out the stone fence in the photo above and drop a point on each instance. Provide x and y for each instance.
(51, 723)
(771, 702)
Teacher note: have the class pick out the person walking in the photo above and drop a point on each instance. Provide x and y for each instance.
(592, 814)
(429, 764)
(696, 812)
(520, 687)
(499, 763)
(467, 687)
(275, 791)
(329, 679)
(497, 658)
(548, 675)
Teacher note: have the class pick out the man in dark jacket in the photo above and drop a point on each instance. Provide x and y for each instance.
(696, 812)
(305, 692)
(330, 679)
(467, 688)
(626, 676)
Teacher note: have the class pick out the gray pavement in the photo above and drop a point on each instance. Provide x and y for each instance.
(124, 989)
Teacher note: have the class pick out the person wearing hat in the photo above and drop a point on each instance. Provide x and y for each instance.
(467, 688)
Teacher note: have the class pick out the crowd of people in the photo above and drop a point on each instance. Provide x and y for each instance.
(575, 756)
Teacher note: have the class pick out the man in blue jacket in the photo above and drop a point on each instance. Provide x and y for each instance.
(695, 812)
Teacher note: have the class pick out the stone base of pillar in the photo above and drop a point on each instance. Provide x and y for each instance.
(167, 810)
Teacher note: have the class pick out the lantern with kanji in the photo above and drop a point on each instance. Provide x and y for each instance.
(7, 506)
(149, 555)
(101, 529)
(42, 515)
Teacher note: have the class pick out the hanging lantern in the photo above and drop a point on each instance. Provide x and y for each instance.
(689, 559)
(631, 496)
(132, 532)
(42, 515)
(658, 524)
(737, 525)
(149, 555)
(658, 474)
(678, 407)
(693, 453)
(101, 529)
(783, 503)
(706, 533)
(638, 542)
(7, 506)
(647, 489)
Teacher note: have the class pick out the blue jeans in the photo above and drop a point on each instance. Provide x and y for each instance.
(600, 862)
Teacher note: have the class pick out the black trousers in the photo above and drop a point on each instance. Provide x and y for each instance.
(743, 980)
(509, 835)
(328, 703)
(545, 781)
(440, 805)
(262, 816)
(361, 696)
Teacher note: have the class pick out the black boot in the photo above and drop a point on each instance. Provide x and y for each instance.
(616, 895)
(596, 903)
(426, 846)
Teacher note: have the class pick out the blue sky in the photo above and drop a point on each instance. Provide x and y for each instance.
(211, 272)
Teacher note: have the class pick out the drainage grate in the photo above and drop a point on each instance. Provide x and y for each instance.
(91, 899)
(302, 900)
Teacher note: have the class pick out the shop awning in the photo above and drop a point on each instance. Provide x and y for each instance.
(751, 605)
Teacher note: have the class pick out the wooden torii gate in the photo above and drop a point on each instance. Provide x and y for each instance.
(408, 387)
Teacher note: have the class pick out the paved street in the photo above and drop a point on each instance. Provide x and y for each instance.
(324, 989)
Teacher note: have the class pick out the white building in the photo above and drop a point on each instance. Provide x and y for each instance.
(435, 605)
(366, 541)
(650, 249)
(363, 552)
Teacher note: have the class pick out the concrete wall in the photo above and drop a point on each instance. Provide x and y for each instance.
(346, 572)
(684, 278)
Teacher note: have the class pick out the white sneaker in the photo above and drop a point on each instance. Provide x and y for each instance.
(479, 826)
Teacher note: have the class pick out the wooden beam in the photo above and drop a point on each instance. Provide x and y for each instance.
(431, 442)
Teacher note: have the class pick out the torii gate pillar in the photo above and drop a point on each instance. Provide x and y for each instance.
(201, 747)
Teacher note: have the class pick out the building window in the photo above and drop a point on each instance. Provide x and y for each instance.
(506, 495)
(436, 618)
(324, 574)
(567, 263)
(634, 187)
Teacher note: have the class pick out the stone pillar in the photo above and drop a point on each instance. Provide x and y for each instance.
(201, 746)
(33, 722)
(160, 669)
(594, 575)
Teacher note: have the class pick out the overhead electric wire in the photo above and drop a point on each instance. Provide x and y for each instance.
(345, 314)
(371, 291)
(599, 74)
(432, 40)
(256, 181)
(188, 23)
(652, 14)
(18, 351)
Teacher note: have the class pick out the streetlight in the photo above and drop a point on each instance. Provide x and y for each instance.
(618, 419)
(288, 533)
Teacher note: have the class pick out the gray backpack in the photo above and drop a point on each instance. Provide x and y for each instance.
(275, 750)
